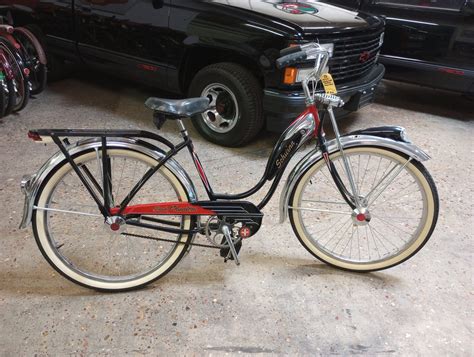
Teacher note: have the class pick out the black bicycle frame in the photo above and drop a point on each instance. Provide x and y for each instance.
(288, 144)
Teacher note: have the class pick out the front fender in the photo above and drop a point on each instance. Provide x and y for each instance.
(31, 184)
(347, 142)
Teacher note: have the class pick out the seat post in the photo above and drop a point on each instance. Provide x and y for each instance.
(182, 128)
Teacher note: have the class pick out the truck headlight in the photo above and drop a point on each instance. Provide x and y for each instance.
(295, 75)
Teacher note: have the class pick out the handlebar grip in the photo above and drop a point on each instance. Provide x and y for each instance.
(290, 59)
(290, 50)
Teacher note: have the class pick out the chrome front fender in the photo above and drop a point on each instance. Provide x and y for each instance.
(31, 184)
(347, 142)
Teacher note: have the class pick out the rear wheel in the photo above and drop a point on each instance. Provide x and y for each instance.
(20, 93)
(72, 235)
(6, 88)
(400, 210)
(235, 96)
(34, 58)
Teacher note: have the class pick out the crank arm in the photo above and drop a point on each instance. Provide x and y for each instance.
(228, 237)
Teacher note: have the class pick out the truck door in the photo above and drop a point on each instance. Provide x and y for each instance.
(55, 18)
(126, 37)
(431, 33)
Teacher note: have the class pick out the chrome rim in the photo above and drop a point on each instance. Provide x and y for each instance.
(89, 248)
(224, 111)
(397, 216)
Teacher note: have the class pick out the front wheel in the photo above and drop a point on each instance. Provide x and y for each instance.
(75, 240)
(398, 215)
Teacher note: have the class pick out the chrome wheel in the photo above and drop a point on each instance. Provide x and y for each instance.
(399, 207)
(224, 113)
(110, 255)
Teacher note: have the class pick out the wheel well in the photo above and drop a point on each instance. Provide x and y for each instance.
(198, 58)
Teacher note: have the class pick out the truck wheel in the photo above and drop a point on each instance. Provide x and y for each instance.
(235, 115)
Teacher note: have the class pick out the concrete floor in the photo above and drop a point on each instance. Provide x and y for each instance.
(280, 300)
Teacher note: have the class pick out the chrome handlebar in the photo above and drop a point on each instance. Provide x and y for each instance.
(310, 51)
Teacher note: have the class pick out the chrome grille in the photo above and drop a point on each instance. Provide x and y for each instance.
(347, 63)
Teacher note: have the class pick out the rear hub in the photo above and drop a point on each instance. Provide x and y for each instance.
(115, 224)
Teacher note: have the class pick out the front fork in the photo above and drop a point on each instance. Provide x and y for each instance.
(352, 199)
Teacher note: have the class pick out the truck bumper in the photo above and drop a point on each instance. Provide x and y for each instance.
(282, 107)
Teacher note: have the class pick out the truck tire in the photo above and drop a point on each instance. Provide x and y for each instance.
(236, 115)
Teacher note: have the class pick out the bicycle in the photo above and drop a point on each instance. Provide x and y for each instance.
(33, 55)
(6, 85)
(115, 212)
(12, 58)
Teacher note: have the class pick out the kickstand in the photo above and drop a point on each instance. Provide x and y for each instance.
(228, 237)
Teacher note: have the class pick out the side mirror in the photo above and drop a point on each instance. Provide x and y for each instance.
(158, 4)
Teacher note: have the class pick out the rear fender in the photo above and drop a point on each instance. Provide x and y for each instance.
(31, 184)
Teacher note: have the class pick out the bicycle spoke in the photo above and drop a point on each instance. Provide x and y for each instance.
(349, 241)
(389, 181)
(375, 242)
(398, 196)
(385, 239)
(335, 233)
(376, 235)
(342, 235)
(392, 225)
(117, 190)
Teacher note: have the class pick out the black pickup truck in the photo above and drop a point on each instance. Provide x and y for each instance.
(223, 50)
(427, 42)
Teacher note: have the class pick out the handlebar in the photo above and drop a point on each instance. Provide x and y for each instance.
(309, 51)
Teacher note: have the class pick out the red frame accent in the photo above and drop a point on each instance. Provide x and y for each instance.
(166, 209)
(201, 172)
(314, 111)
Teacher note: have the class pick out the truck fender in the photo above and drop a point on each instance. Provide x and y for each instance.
(347, 142)
(30, 184)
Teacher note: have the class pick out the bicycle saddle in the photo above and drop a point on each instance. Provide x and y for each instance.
(178, 108)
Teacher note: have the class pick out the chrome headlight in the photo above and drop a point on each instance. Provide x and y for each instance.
(404, 136)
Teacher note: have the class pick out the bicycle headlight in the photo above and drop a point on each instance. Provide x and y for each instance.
(404, 136)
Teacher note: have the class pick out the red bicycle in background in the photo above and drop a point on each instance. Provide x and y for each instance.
(22, 68)
(116, 211)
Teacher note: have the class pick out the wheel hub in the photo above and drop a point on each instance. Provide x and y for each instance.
(224, 110)
(115, 224)
(361, 217)
(224, 105)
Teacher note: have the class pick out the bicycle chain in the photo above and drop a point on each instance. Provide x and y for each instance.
(170, 241)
